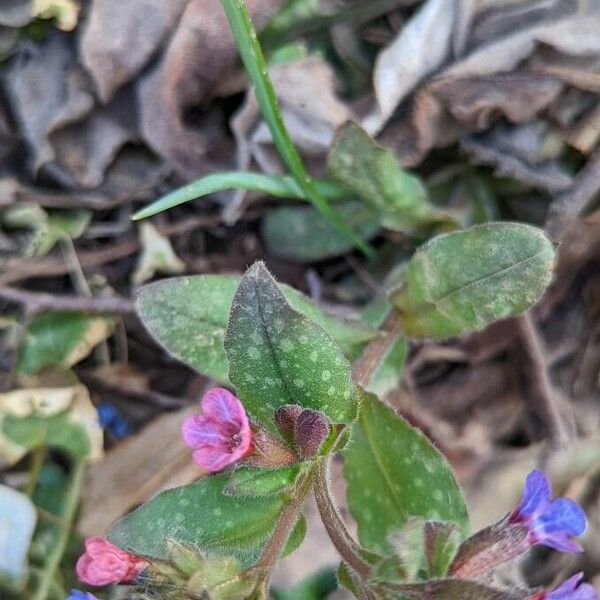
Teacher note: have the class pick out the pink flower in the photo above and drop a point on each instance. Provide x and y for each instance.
(103, 563)
(221, 434)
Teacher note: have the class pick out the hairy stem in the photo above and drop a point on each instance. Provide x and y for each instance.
(374, 353)
(68, 514)
(336, 528)
(284, 526)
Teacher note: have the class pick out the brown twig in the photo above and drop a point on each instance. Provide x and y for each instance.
(547, 401)
(38, 302)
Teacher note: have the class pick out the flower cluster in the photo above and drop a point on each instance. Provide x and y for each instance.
(103, 563)
(223, 435)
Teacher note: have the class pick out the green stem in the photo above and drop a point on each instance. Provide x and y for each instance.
(256, 66)
(37, 462)
(284, 526)
(349, 550)
(71, 503)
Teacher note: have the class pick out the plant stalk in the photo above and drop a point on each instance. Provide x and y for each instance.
(336, 528)
(71, 503)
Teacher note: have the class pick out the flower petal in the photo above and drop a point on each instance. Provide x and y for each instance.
(562, 515)
(221, 405)
(198, 430)
(536, 493)
(561, 542)
(571, 590)
(213, 459)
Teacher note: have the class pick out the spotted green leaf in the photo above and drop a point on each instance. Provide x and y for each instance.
(462, 281)
(249, 481)
(393, 473)
(188, 317)
(202, 515)
(373, 173)
(301, 233)
(278, 356)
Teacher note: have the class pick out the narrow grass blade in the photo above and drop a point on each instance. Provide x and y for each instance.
(253, 59)
(279, 186)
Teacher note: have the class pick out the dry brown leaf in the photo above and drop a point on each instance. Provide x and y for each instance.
(475, 102)
(198, 54)
(87, 148)
(420, 49)
(16, 13)
(507, 59)
(524, 152)
(47, 91)
(311, 110)
(567, 208)
(119, 38)
(138, 468)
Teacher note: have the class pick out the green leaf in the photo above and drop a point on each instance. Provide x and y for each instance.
(296, 538)
(462, 281)
(48, 228)
(277, 356)
(255, 482)
(301, 233)
(273, 185)
(55, 431)
(373, 173)
(200, 514)
(442, 543)
(62, 418)
(188, 317)
(393, 472)
(61, 339)
(60, 225)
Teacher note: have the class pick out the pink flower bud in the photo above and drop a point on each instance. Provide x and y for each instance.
(312, 428)
(103, 563)
(221, 435)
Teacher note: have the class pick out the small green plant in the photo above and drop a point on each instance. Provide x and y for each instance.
(301, 387)
(297, 406)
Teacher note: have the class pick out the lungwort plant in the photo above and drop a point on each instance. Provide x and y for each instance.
(300, 388)
(294, 395)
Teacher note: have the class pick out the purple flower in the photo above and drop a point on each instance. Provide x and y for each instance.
(79, 595)
(553, 523)
(570, 590)
(221, 434)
